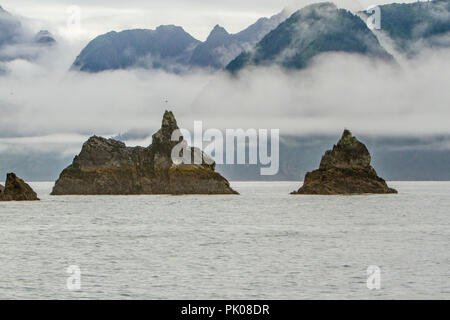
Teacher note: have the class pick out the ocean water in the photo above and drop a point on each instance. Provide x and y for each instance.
(263, 244)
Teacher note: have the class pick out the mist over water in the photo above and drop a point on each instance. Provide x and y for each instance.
(263, 244)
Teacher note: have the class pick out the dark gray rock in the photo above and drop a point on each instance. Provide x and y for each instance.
(348, 153)
(107, 166)
(17, 190)
(345, 169)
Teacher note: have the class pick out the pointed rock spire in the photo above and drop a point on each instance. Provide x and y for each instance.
(163, 138)
(217, 33)
(348, 153)
(169, 120)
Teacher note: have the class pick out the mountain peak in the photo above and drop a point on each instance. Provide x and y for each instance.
(348, 153)
(217, 32)
(169, 120)
(317, 10)
(169, 28)
(219, 28)
(347, 138)
(44, 37)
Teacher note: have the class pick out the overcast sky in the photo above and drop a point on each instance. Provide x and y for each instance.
(197, 17)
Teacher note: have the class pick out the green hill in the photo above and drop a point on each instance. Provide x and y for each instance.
(308, 32)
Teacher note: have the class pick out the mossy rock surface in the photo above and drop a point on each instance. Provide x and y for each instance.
(107, 166)
(17, 190)
(345, 170)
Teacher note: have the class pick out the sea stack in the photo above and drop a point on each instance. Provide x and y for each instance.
(16, 190)
(345, 170)
(109, 167)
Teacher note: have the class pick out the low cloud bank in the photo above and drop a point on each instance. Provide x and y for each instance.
(42, 99)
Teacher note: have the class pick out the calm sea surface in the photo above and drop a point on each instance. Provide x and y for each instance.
(263, 244)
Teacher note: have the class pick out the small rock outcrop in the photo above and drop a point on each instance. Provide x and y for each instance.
(16, 190)
(345, 169)
(109, 167)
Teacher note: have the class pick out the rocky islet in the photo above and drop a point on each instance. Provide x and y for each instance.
(346, 170)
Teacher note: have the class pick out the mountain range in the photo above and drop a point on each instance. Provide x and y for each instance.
(285, 39)
(170, 48)
(288, 40)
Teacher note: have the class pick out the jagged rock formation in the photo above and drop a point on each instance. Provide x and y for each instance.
(345, 169)
(106, 166)
(16, 190)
